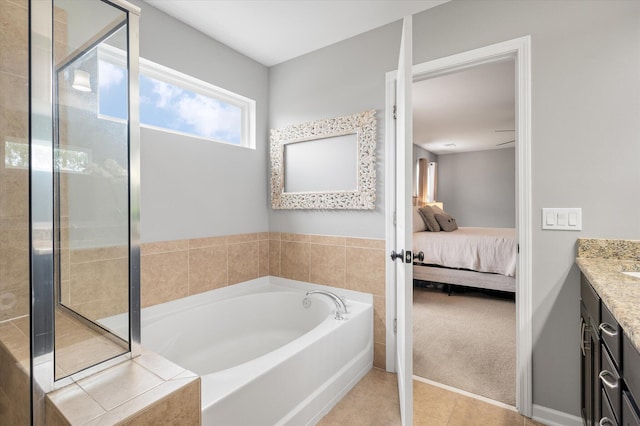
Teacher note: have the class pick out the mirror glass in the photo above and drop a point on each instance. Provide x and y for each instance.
(91, 182)
(307, 163)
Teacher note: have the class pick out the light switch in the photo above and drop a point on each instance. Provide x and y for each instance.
(551, 218)
(573, 219)
(562, 219)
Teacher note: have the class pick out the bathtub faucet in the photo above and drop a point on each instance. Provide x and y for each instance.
(341, 307)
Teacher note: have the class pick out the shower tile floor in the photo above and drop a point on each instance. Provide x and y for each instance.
(374, 401)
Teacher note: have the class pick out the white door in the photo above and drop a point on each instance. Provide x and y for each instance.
(404, 261)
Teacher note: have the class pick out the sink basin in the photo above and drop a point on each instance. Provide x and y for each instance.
(634, 274)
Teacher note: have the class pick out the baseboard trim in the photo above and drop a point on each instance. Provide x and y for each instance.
(552, 417)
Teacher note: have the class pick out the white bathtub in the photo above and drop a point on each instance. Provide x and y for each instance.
(263, 358)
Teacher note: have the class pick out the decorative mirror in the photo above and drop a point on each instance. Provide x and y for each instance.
(325, 164)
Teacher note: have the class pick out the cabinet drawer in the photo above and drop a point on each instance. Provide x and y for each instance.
(607, 418)
(611, 334)
(590, 299)
(630, 414)
(611, 383)
(631, 367)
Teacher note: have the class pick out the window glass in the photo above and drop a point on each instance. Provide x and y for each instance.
(175, 102)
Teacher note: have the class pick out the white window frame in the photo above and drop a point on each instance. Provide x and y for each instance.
(184, 81)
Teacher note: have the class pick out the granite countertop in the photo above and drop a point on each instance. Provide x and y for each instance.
(602, 262)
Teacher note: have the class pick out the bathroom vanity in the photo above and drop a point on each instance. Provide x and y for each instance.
(610, 331)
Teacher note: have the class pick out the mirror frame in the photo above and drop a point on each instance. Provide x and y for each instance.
(363, 125)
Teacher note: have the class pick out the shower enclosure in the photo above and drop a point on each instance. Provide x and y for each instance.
(69, 225)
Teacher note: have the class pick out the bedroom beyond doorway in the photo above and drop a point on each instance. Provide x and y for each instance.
(465, 121)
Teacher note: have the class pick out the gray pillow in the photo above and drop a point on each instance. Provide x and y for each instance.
(437, 210)
(429, 218)
(446, 222)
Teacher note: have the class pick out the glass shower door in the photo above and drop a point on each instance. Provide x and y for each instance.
(91, 184)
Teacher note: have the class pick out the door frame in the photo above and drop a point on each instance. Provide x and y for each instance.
(520, 50)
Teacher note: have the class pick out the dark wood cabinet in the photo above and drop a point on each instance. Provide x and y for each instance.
(610, 365)
(590, 354)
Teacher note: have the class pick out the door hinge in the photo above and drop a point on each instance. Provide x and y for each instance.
(517, 248)
(395, 112)
(395, 325)
(394, 219)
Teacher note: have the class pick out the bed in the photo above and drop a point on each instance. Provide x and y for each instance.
(469, 256)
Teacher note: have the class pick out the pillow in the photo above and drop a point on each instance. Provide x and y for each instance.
(429, 219)
(446, 222)
(437, 210)
(418, 223)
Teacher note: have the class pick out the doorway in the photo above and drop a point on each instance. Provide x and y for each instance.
(519, 49)
(464, 127)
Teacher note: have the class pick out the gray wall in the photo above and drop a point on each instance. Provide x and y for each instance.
(479, 188)
(342, 79)
(586, 100)
(192, 187)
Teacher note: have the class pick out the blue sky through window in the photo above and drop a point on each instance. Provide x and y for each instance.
(170, 107)
(112, 87)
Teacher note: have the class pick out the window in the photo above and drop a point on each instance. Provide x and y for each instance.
(175, 102)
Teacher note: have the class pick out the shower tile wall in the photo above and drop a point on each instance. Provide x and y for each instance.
(14, 214)
(14, 180)
(174, 269)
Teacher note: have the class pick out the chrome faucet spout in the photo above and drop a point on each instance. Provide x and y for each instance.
(341, 307)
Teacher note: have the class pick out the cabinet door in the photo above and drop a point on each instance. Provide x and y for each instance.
(586, 372)
(590, 368)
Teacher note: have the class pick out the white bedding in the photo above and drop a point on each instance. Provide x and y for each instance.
(477, 249)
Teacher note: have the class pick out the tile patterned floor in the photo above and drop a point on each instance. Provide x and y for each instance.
(374, 401)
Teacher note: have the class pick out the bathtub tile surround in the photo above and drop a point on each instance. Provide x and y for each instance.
(207, 268)
(146, 390)
(175, 269)
(328, 265)
(166, 265)
(344, 262)
(243, 261)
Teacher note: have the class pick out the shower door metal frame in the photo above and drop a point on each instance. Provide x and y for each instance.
(41, 200)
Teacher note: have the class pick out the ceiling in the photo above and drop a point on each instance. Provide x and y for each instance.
(461, 111)
(455, 112)
(274, 31)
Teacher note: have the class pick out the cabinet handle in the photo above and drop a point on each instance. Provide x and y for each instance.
(583, 341)
(606, 421)
(582, 338)
(608, 329)
(603, 377)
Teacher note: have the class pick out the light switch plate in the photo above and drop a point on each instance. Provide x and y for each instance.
(562, 219)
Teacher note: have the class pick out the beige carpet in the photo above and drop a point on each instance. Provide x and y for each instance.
(466, 340)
